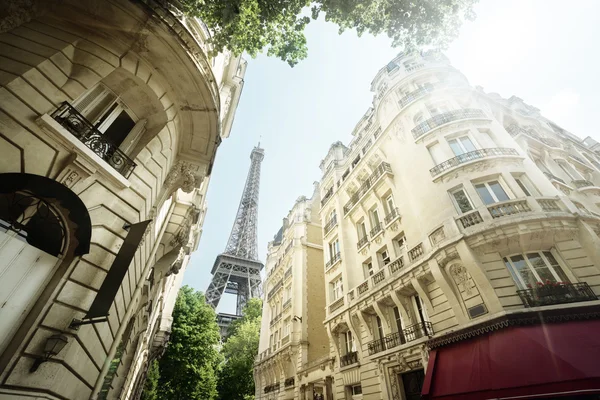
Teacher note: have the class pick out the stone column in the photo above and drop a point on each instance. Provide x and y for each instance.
(328, 388)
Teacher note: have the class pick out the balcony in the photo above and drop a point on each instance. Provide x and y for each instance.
(336, 304)
(392, 216)
(336, 257)
(362, 241)
(445, 118)
(288, 273)
(582, 183)
(327, 196)
(275, 289)
(330, 225)
(415, 252)
(70, 119)
(554, 177)
(562, 293)
(377, 229)
(580, 160)
(409, 334)
(285, 339)
(471, 156)
(378, 277)
(289, 382)
(287, 304)
(382, 169)
(416, 95)
(272, 388)
(470, 219)
(349, 358)
(549, 205)
(275, 319)
(507, 208)
(396, 265)
(363, 287)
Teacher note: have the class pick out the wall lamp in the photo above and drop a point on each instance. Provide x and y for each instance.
(54, 345)
(297, 318)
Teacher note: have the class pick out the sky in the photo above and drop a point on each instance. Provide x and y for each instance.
(543, 51)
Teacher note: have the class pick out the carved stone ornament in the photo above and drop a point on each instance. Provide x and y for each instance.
(75, 170)
(394, 226)
(461, 277)
(437, 236)
(378, 239)
(402, 364)
(182, 176)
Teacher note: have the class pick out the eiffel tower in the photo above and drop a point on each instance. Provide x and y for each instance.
(237, 269)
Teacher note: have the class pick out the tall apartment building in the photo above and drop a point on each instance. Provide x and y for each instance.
(461, 243)
(294, 360)
(111, 113)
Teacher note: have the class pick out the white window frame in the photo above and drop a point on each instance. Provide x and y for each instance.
(374, 217)
(456, 205)
(460, 144)
(349, 342)
(526, 185)
(389, 203)
(361, 229)
(399, 244)
(368, 269)
(519, 279)
(486, 183)
(569, 169)
(383, 258)
(418, 304)
(334, 248)
(337, 289)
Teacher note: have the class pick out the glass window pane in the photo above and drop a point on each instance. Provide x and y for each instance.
(484, 193)
(498, 191)
(523, 188)
(467, 144)
(455, 147)
(541, 268)
(523, 270)
(556, 267)
(462, 201)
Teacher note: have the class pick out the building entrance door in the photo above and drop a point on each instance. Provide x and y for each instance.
(413, 383)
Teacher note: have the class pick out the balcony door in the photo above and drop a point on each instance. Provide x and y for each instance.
(412, 382)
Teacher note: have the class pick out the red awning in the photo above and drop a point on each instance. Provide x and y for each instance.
(548, 360)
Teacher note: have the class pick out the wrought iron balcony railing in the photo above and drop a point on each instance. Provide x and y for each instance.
(70, 119)
(366, 186)
(272, 388)
(376, 230)
(394, 213)
(471, 156)
(349, 358)
(275, 289)
(444, 118)
(334, 259)
(582, 183)
(560, 293)
(288, 273)
(330, 225)
(327, 196)
(362, 241)
(287, 304)
(413, 332)
(416, 94)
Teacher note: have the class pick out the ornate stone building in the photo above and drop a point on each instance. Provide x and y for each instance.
(461, 244)
(294, 359)
(111, 113)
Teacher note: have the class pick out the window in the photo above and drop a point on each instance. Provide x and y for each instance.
(368, 269)
(526, 185)
(530, 268)
(438, 108)
(491, 192)
(379, 327)
(349, 344)
(420, 310)
(334, 249)
(287, 294)
(161, 215)
(399, 243)
(569, 170)
(361, 229)
(286, 327)
(461, 200)
(461, 145)
(389, 203)
(419, 117)
(399, 324)
(332, 215)
(384, 257)
(374, 215)
(436, 153)
(582, 208)
(337, 289)
(356, 390)
(104, 110)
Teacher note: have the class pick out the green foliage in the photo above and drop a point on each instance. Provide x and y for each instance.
(278, 25)
(188, 367)
(236, 379)
(150, 387)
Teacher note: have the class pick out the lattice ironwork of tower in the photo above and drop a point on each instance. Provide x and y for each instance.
(237, 269)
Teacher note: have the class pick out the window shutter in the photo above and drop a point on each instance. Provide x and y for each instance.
(95, 102)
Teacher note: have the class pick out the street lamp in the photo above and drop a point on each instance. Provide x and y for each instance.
(54, 345)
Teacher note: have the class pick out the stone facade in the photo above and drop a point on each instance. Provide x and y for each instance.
(294, 360)
(450, 207)
(120, 102)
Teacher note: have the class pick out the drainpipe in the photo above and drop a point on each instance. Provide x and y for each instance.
(132, 306)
